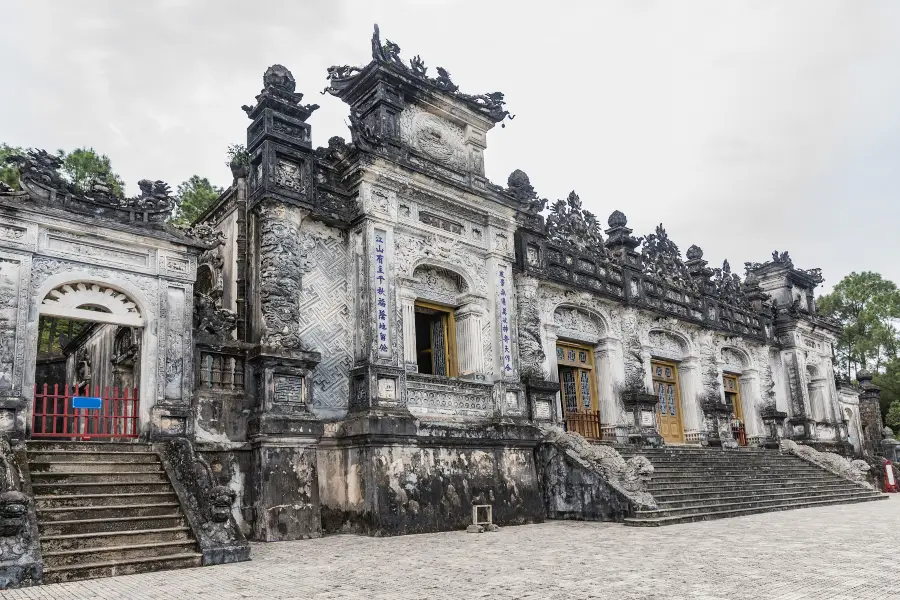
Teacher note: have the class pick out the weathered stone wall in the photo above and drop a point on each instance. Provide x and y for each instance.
(324, 317)
(285, 493)
(406, 488)
(572, 491)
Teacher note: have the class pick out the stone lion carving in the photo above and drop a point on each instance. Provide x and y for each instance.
(630, 477)
(854, 470)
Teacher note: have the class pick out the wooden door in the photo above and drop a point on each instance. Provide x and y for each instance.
(578, 389)
(733, 393)
(665, 385)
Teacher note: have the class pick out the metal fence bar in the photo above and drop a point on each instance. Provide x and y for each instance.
(54, 416)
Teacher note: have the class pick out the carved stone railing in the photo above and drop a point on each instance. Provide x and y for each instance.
(206, 505)
(591, 481)
(448, 396)
(852, 470)
(20, 552)
(584, 270)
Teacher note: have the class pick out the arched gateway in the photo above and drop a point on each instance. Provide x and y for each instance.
(87, 368)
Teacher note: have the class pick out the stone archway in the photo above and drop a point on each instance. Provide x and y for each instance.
(112, 339)
(440, 298)
(738, 363)
(82, 301)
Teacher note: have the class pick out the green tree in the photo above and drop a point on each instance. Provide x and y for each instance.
(889, 382)
(892, 419)
(194, 196)
(867, 306)
(83, 165)
(237, 155)
(8, 173)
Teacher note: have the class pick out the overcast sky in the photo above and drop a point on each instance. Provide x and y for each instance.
(742, 126)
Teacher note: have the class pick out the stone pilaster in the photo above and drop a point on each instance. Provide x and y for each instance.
(870, 415)
(408, 309)
(469, 346)
(690, 381)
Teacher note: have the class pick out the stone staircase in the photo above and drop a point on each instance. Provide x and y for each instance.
(106, 509)
(698, 484)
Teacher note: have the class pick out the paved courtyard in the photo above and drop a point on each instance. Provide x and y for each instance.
(830, 553)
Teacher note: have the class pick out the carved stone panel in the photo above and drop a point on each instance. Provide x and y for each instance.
(280, 268)
(734, 361)
(434, 137)
(83, 247)
(577, 324)
(288, 389)
(666, 345)
(446, 396)
(10, 343)
(175, 344)
(325, 314)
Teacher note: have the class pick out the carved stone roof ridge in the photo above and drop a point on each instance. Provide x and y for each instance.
(342, 77)
(569, 225)
(42, 180)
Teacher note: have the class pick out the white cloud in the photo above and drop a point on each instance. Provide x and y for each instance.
(743, 126)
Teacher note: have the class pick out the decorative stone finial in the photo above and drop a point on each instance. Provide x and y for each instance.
(863, 375)
(518, 179)
(617, 219)
(695, 252)
(278, 76)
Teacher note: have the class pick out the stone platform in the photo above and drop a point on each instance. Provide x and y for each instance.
(841, 552)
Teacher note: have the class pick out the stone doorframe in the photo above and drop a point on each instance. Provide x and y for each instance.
(675, 347)
(737, 361)
(469, 310)
(138, 315)
(573, 323)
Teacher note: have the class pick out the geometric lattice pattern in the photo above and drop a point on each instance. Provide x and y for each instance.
(325, 315)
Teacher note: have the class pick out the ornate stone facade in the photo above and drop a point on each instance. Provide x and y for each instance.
(379, 323)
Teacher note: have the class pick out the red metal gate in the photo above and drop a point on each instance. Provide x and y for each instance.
(54, 415)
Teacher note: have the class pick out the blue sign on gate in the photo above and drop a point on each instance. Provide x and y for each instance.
(87, 402)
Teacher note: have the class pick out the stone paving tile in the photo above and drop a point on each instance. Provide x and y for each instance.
(831, 553)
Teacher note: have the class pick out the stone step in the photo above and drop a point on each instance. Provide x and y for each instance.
(741, 478)
(699, 450)
(96, 466)
(110, 477)
(686, 494)
(87, 500)
(80, 541)
(47, 489)
(724, 463)
(74, 513)
(64, 558)
(721, 514)
(114, 524)
(746, 503)
(775, 470)
(59, 456)
(725, 486)
(117, 447)
(121, 567)
(778, 496)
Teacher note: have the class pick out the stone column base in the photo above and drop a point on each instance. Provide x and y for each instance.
(285, 492)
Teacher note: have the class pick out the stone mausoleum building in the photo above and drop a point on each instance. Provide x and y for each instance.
(373, 337)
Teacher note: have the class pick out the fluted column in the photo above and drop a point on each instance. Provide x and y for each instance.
(817, 400)
(469, 345)
(689, 381)
(610, 374)
(751, 403)
(550, 338)
(408, 308)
